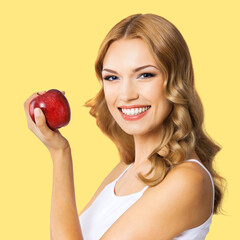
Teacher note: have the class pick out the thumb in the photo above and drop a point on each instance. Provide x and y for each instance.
(40, 121)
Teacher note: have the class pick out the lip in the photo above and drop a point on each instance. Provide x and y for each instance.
(134, 117)
(134, 106)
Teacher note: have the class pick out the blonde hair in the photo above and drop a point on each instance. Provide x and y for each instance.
(183, 129)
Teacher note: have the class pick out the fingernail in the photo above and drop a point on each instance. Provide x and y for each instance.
(37, 112)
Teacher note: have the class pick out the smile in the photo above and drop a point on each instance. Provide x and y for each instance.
(134, 111)
(131, 114)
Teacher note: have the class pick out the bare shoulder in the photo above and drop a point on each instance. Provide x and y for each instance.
(187, 191)
(197, 179)
(182, 201)
(191, 180)
(115, 172)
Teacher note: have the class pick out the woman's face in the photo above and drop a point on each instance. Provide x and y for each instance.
(133, 87)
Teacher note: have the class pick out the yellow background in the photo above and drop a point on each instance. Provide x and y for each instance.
(53, 44)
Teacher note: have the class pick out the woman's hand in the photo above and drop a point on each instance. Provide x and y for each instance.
(53, 140)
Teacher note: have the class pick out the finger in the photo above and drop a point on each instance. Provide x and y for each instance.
(34, 95)
(26, 108)
(30, 122)
(27, 102)
(40, 120)
(40, 93)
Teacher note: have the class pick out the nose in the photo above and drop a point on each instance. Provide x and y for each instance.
(128, 91)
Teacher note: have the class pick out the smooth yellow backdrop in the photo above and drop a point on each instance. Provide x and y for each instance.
(53, 44)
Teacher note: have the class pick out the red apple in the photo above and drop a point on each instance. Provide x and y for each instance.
(55, 107)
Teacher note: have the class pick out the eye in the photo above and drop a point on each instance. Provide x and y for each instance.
(110, 78)
(147, 75)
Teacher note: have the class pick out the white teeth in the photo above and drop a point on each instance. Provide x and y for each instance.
(134, 111)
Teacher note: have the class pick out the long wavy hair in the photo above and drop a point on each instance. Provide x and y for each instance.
(183, 130)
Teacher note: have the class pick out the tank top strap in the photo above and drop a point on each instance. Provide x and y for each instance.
(143, 190)
(194, 160)
(122, 173)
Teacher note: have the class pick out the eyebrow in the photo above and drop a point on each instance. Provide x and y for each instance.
(135, 70)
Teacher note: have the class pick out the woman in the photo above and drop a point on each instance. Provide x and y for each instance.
(164, 186)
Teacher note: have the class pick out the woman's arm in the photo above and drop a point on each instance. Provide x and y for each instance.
(183, 200)
(64, 218)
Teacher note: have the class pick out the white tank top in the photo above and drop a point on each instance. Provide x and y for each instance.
(108, 207)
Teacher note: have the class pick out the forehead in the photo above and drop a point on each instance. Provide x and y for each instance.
(128, 53)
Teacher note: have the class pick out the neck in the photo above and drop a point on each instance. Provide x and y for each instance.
(144, 145)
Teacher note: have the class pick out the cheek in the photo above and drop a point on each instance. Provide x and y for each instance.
(110, 95)
(153, 91)
(164, 108)
(156, 96)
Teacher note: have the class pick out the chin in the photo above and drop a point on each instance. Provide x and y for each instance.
(134, 131)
